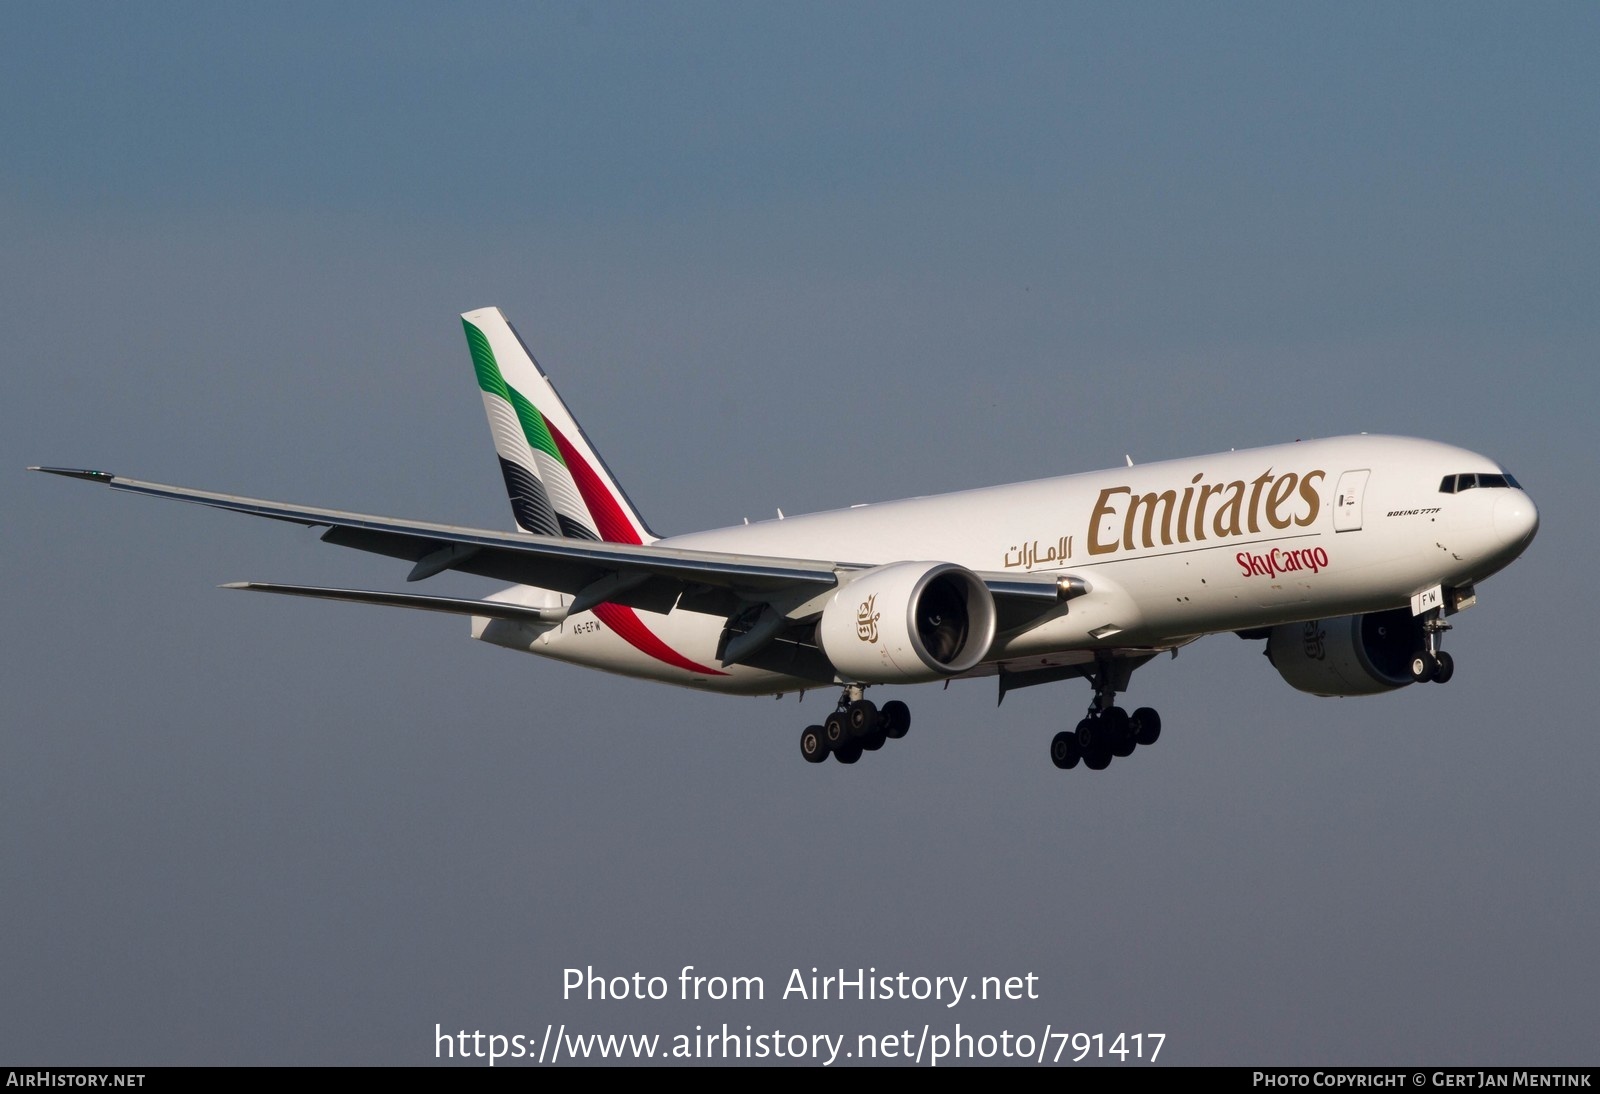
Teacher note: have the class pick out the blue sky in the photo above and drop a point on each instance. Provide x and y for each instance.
(795, 257)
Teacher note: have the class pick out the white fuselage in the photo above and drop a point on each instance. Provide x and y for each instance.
(1171, 551)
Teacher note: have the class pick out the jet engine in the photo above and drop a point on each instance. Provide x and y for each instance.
(1350, 655)
(907, 622)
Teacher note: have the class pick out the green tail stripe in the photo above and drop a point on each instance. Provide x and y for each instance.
(533, 426)
(490, 380)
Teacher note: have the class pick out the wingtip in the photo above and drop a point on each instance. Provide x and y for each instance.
(76, 473)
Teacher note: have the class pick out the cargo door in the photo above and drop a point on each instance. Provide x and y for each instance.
(1347, 501)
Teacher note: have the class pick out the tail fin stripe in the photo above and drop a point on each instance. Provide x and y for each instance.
(528, 501)
(554, 488)
(571, 529)
(493, 383)
(564, 493)
(489, 378)
(542, 464)
(534, 431)
(612, 523)
(507, 431)
(533, 423)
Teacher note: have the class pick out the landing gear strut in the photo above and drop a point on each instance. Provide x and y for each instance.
(1431, 662)
(856, 726)
(1107, 730)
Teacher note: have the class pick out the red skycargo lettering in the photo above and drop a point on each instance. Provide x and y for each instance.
(1278, 561)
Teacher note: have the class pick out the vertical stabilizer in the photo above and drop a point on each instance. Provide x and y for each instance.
(558, 484)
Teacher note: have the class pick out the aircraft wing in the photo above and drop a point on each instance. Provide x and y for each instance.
(648, 577)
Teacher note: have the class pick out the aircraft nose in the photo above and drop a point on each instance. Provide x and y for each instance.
(1516, 519)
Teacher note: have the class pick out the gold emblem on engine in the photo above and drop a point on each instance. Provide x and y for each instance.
(867, 620)
(1315, 639)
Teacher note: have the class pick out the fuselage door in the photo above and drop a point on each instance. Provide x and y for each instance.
(1347, 501)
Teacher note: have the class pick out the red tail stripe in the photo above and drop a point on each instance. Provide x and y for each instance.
(615, 527)
(609, 519)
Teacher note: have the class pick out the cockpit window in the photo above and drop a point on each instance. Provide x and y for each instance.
(1454, 484)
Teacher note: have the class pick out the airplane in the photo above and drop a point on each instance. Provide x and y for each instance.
(1347, 555)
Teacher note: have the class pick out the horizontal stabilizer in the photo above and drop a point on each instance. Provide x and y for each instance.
(492, 609)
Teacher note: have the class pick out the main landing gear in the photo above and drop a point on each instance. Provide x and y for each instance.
(857, 726)
(1107, 731)
(1431, 662)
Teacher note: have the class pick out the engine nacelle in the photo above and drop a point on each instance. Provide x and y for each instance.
(1350, 655)
(908, 622)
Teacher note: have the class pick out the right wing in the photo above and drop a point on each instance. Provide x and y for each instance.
(648, 577)
(766, 600)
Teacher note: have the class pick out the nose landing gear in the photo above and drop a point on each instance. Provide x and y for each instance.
(1431, 662)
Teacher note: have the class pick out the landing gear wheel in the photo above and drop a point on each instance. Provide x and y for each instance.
(1424, 666)
(1146, 726)
(1119, 732)
(896, 718)
(1088, 734)
(848, 753)
(1446, 669)
(1064, 751)
(874, 739)
(1097, 758)
(862, 716)
(835, 730)
(813, 745)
